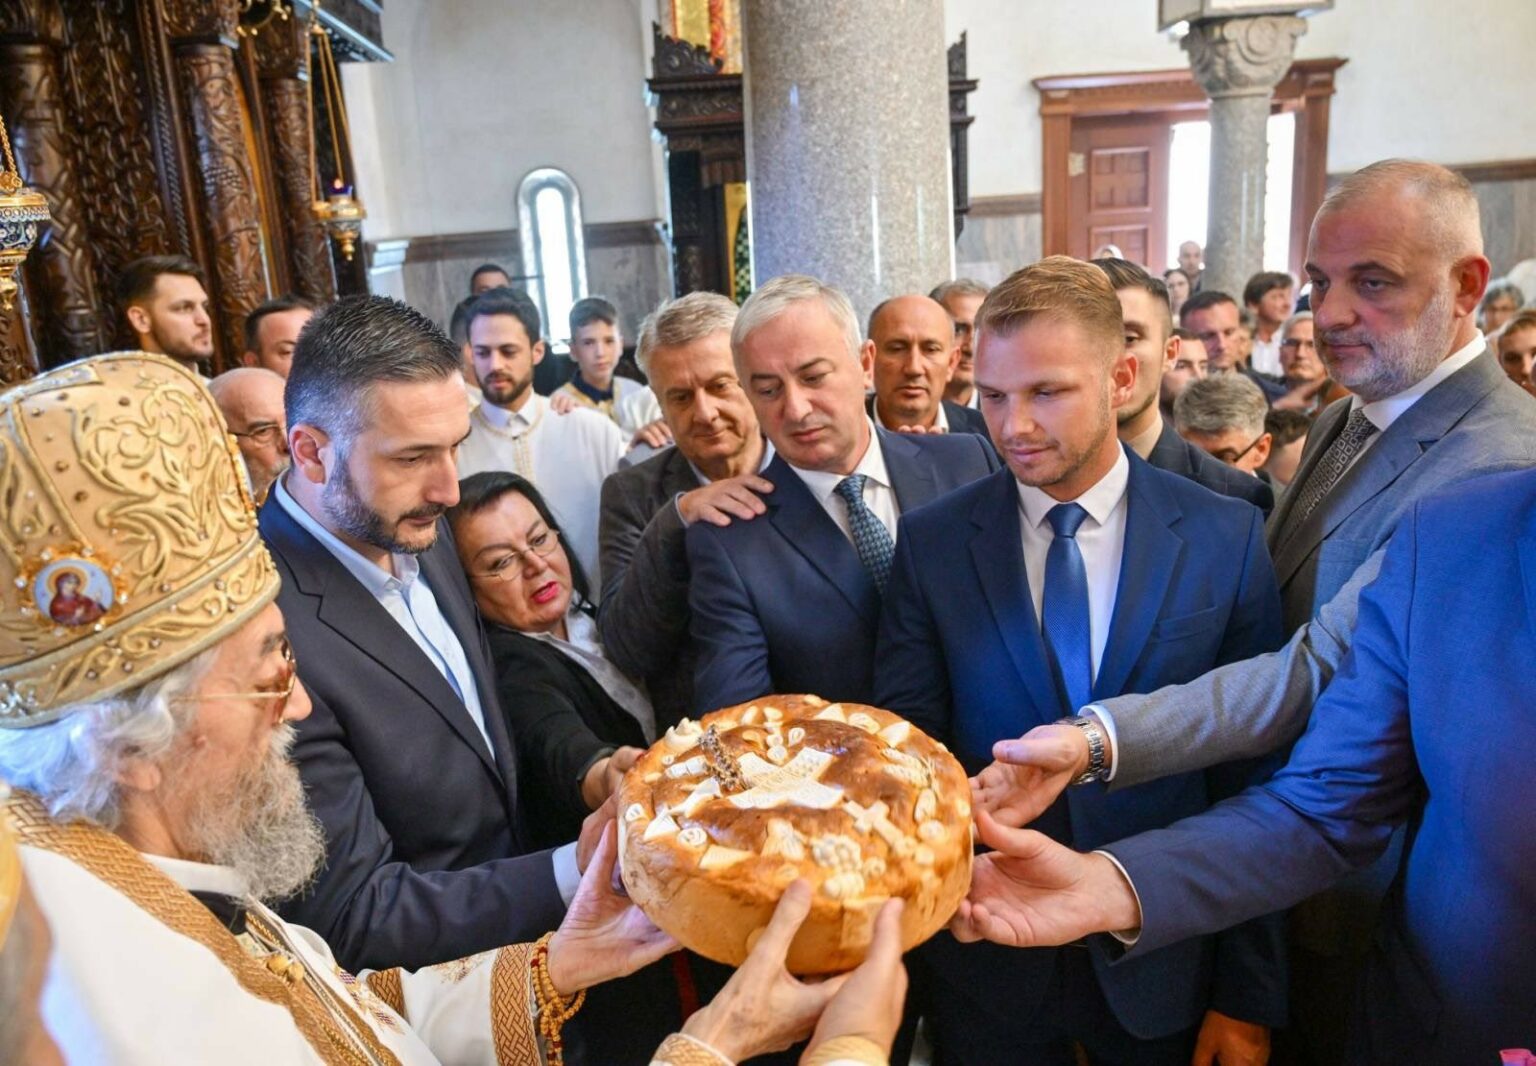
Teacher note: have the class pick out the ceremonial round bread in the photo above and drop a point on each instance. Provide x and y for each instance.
(856, 800)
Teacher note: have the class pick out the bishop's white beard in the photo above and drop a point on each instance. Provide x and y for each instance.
(259, 825)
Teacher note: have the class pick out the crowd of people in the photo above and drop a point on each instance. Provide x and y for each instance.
(313, 739)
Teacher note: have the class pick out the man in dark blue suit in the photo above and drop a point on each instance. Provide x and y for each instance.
(790, 602)
(1077, 573)
(1439, 645)
(911, 344)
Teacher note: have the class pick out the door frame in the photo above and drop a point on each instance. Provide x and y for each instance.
(1306, 89)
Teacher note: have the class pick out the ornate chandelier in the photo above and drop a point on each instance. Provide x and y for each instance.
(21, 209)
(338, 208)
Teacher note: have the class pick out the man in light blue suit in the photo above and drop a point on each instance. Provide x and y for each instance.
(790, 602)
(1428, 723)
(1080, 571)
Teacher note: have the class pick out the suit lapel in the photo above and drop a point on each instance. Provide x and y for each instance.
(356, 617)
(1147, 564)
(1329, 425)
(909, 469)
(997, 551)
(808, 528)
(1169, 453)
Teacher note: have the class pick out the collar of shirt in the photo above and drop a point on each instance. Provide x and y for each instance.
(596, 395)
(940, 422)
(823, 484)
(200, 876)
(519, 421)
(1099, 501)
(581, 644)
(1383, 413)
(768, 454)
(1143, 444)
(374, 578)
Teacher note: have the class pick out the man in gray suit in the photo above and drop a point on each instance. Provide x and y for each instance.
(1396, 265)
(711, 475)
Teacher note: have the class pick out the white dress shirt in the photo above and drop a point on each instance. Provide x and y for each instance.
(1265, 357)
(879, 495)
(1383, 413)
(1101, 539)
(582, 647)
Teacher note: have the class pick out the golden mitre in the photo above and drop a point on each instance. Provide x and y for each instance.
(128, 540)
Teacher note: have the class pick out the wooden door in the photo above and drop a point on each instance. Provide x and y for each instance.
(1118, 186)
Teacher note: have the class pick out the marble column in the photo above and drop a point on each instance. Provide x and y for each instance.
(1238, 62)
(847, 121)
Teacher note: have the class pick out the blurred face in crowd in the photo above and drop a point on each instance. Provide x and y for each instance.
(1191, 257)
(1220, 329)
(1235, 447)
(1517, 353)
(174, 319)
(1274, 307)
(1299, 361)
(1048, 393)
(1178, 288)
(252, 404)
(504, 357)
(519, 569)
(276, 334)
(490, 279)
(1186, 362)
(596, 347)
(702, 400)
(1499, 311)
(227, 792)
(807, 387)
(1147, 342)
(962, 309)
(1388, 302)
(1284, 459)
(912, 344)
(384, 486)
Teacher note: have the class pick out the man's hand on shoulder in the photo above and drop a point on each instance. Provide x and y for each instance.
(721, 502)
(655, 434)
(935, 428)
(562, 402)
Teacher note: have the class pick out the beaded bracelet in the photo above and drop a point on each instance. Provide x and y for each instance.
(554, 1009)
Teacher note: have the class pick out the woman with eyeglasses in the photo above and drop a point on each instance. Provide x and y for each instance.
(578, 722)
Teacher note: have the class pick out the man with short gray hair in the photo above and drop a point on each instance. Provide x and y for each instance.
(1224, 416)
(961, 298)
(789, 602)
(713, 475)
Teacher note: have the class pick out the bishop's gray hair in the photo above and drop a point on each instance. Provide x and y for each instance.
(73, 763)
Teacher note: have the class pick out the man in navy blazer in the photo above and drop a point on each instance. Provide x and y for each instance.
(406, 758)
(911, 344)
(790, 602)
(1079, 572)
(1426, 723)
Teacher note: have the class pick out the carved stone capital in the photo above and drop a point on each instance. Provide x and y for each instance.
(201, 21)
(1242, 56)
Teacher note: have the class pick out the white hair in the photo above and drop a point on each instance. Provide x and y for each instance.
(779, 295)
(1220, 403)
(73, 763)
(1290, 323)
(682, 321)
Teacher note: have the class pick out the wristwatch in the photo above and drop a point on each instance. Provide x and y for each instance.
(1098, 747)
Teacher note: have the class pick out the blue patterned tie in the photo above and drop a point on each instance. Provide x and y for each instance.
(870, 537)
(1064, 609)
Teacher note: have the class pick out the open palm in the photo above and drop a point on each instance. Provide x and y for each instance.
(1030, 774)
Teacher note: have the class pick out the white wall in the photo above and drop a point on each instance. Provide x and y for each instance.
(1424, 79)
(482, 91)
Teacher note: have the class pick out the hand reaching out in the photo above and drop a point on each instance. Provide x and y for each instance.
(1030, 773)
(870, 1003)
(657, 434)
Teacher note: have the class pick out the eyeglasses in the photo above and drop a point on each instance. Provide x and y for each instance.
(1297, 343)
(1229, 457)
(277, 698)
(266, 435)
(541, 544)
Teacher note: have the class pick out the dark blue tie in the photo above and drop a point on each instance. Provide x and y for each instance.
(1064, 609)
(870, 537)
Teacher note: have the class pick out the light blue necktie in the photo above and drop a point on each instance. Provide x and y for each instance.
(870, 537)
(1064, 609)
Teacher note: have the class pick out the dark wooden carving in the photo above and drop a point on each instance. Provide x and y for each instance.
(699, 113)
(18, 360)
(61, 268)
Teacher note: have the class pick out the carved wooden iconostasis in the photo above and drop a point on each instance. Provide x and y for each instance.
(169, 127)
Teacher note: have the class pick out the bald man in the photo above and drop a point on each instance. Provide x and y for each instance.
(911, 343)
(252, 401)
(1397, 269)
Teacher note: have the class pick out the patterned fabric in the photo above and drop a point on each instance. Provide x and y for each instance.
(870, 537)
(1335, 461)
(512, 1031)
(681, 1050)
(741, 259)
(846, 1050)
(386, 985)
(1064, 610)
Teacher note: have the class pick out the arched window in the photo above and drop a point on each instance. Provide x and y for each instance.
(549, 221)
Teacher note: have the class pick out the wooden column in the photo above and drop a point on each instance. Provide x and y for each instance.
(202, 38)
(61, 270)
(282, 63)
